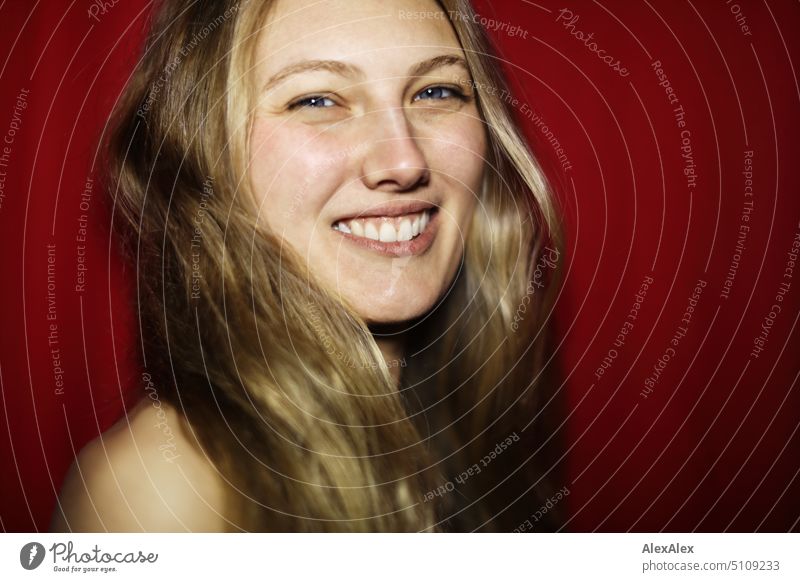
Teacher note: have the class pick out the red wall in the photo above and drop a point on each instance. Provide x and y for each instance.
(712, 447)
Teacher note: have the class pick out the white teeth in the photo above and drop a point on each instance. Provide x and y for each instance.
(371, 232)
(404, 232)
(415, 227)
(388, 233)
(386, 230)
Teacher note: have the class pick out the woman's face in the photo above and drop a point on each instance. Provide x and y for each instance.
(367, 148)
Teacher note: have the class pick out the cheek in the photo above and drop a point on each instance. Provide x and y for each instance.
(458, 147)
(459, 156)
(293, 173)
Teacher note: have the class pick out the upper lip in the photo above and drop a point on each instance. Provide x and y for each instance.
(396, 208)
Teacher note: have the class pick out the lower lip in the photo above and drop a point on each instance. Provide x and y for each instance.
(406, 248)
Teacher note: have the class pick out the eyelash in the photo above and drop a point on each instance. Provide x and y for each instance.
(456, 92)
(305, 102)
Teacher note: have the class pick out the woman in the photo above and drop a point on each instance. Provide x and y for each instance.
(338, 233)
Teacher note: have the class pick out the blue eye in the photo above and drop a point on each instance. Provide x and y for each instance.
(315, 101)
(439, 93)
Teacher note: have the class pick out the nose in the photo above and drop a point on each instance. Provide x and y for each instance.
(393, 160)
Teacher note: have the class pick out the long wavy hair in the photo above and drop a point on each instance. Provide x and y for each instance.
(239, 335)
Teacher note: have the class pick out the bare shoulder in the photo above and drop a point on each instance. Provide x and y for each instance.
(145, 473)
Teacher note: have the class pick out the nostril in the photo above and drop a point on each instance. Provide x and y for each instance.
(395, 165)
(403, 180)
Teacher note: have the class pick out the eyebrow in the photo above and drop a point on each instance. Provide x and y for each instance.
(346, 70)
(429, 65)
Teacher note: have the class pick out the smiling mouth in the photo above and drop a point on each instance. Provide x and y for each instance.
(387, 229)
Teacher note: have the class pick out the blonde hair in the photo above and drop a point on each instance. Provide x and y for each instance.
(232, 323)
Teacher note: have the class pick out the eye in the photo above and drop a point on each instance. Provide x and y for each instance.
(313, 102)
(439, 93)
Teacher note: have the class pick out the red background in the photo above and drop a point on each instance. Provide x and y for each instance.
(714, 447)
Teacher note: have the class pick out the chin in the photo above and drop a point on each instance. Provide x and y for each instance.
(397, 310)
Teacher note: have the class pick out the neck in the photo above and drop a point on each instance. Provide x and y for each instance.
(391, 342)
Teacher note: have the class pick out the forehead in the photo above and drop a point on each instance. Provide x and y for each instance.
(366, 32)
